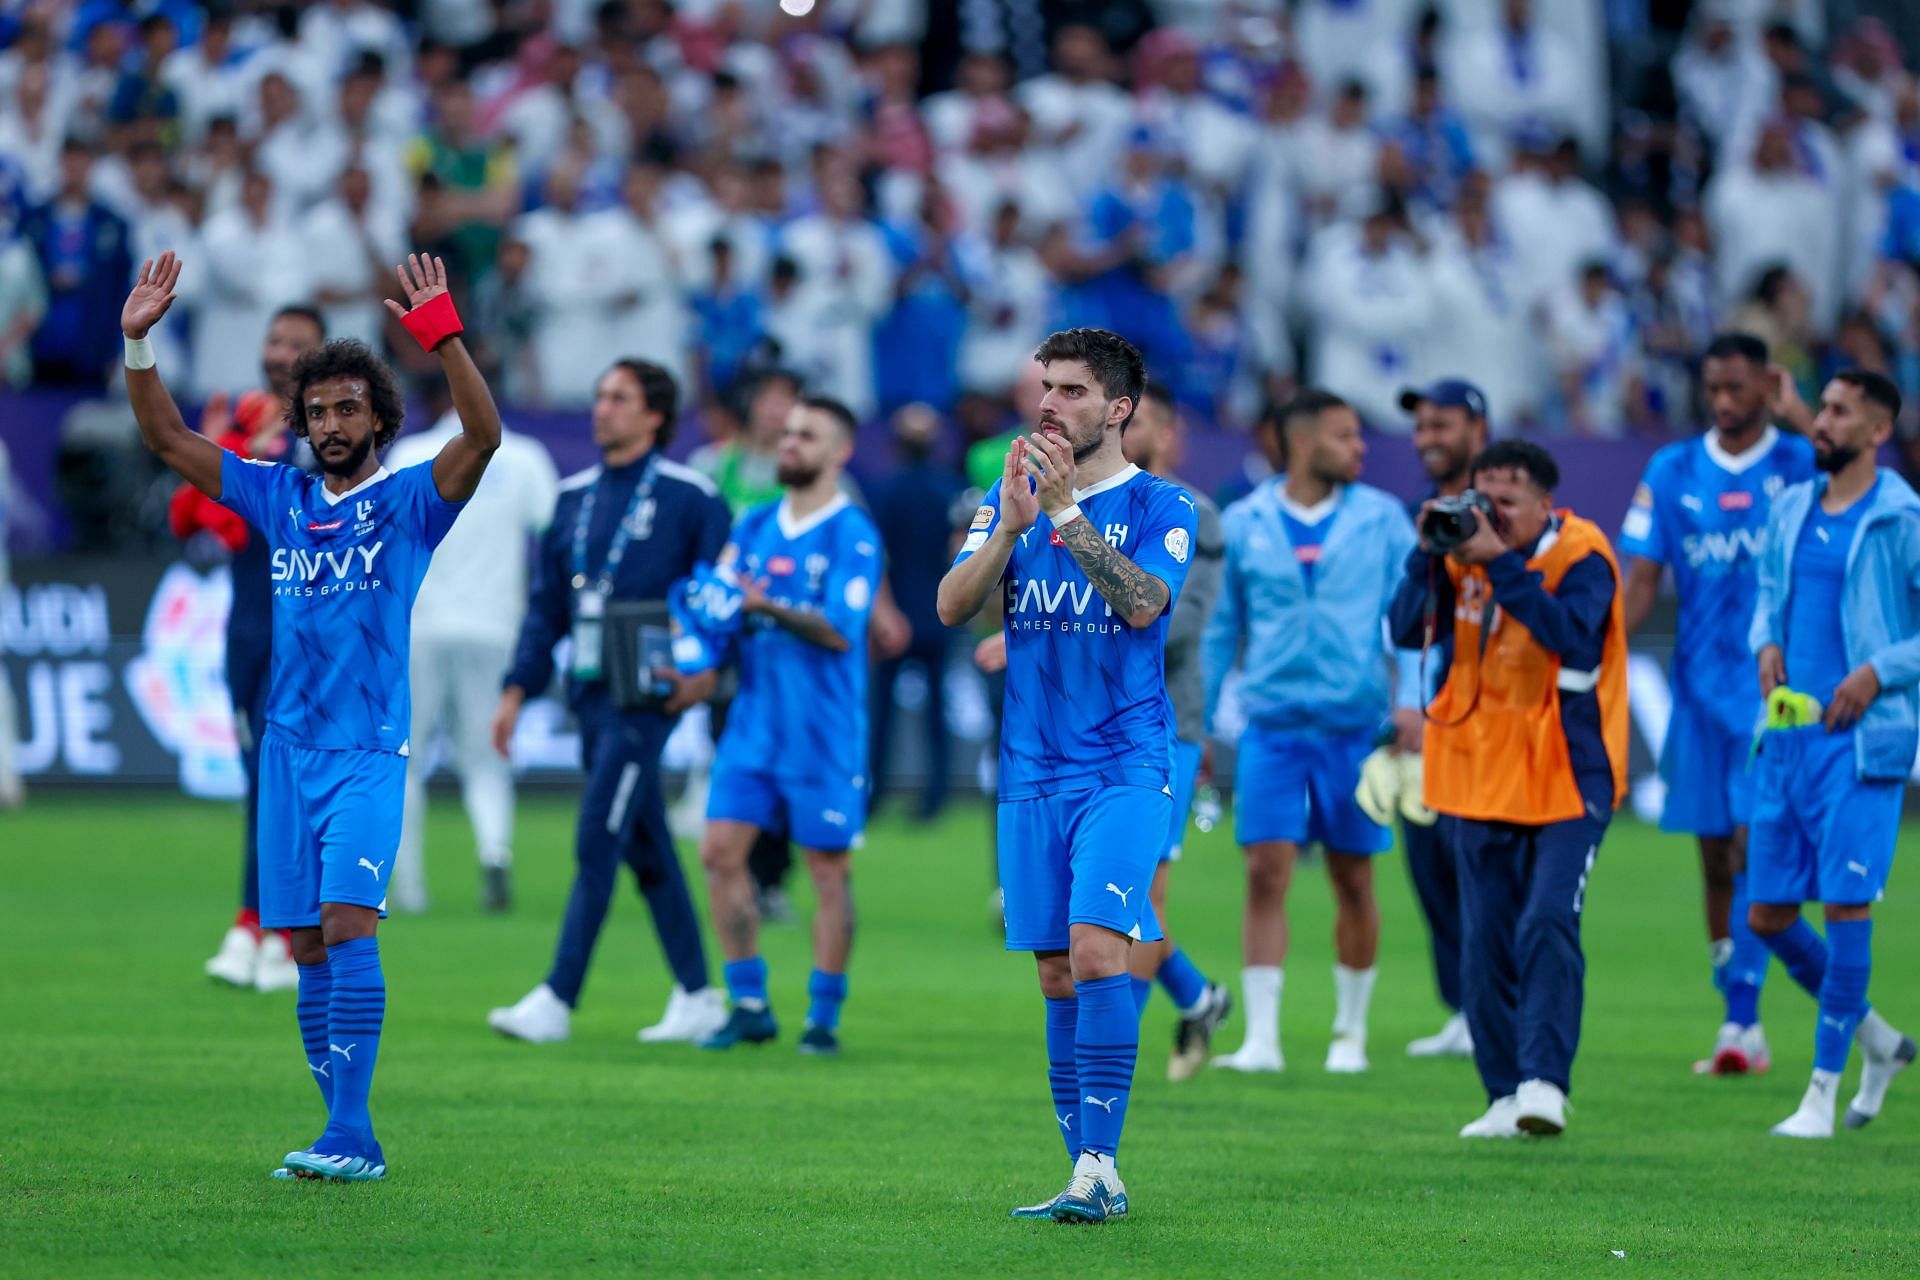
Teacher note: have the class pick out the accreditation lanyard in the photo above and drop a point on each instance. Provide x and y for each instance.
(590, 598)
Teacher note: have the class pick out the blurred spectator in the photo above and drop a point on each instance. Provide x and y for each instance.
(574, 280)
(1555, 220)
(1771, 211)
(917, 347)
(1008, 294)
(469, 188)
(143, 95)
(30, 131)
(1434, 141)
(1481, 326)
(728, 315)
(980, 84)
(844, 284)
(1336, 157)
(506, 316)
(649, 317)
(1368, 294)
(252, 262)
(353, 246)
(209, 78)
(1079, 115)
(1357, 40)
(1725, 82)
(915, 509)
(1516, 73)
(746, 468)
(86, 262)
(1595, 352)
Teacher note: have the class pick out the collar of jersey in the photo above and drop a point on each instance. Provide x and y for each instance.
(1307, 515)
(335, 499)
(1113, 481)
(791, 528)
(1740, 463)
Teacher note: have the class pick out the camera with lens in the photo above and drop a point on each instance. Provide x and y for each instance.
(1451, 521)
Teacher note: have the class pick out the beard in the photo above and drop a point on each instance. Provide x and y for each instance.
(356, 458)
(1835, 458)
(794, 475)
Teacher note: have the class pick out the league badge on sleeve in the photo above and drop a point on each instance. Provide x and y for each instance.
(1178, 545)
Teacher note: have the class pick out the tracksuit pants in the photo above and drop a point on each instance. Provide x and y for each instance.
(1434, 866)
(1523, 975)
(624, 818)
(247, 689)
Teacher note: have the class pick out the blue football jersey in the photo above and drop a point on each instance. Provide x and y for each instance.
(1086, 702)
(1704, 513)
(344, 572)
(802, 710)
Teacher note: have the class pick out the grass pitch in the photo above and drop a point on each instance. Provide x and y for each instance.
(141, 1106)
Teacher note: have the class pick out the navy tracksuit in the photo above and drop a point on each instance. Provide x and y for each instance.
(622, 813)
(1523, 888)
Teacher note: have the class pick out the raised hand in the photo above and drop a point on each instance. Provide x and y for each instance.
(1051, 462)
(151, 295)
(421, 278)
(1019, 505)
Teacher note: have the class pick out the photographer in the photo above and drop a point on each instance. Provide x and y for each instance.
(1526, 746)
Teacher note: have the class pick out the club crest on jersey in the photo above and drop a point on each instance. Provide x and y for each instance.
(816, 570)
(1736, 500)
(363, 517)
(1116, 534)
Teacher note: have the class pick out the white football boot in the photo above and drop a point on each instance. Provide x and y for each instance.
(237, 958)
(1453, 1040)
(1540, 1108)
(1501, 1120)
(1814, 1119)
(274, 970)
(688, 1018)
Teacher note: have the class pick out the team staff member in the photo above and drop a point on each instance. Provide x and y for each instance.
(1837, 623)
(1527, 748)
(1313, 559)
(1449, 428)
(627, 529)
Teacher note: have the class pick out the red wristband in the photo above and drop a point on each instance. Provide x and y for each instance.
(433, 321)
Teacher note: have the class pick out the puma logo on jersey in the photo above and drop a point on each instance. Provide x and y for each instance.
(1106, 1106)
(1118, 892)
(373, 866)
(1858, 868)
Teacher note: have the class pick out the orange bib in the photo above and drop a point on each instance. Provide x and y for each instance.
(1506, 760)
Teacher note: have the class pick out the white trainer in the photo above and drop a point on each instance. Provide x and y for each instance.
(1501, 1120)
(234, 963)
(1347, 1055)
(275, 970)
(541, 1017)
(1453, 1040)
(1882, 1057)
(690, 1018)
(1814, 1119)
(1253, 1057)
(1540, 1108)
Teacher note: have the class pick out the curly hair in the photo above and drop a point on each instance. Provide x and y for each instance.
(347, 358)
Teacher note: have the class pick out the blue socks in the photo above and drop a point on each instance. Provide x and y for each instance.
(1183, 980)
(1746, 968)
(747, 982)
(1803, 953)
(1106, 1041)
(826, 992)
(1063, 1070)
(310, 1008)
(1142, 993)
(354, 1018)
(1843, 995)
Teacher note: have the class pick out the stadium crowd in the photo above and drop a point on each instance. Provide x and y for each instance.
(896, 199)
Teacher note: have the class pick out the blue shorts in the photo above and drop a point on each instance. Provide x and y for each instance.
(1299, 787)
(1085, 857)
(1705, 766)
(1818, 833)
(329, 827)
(1186, 773)
(825, 815)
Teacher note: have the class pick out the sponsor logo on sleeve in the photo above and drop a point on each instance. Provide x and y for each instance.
(982, 518)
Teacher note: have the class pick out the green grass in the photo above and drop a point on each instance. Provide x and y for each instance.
(141, 1107)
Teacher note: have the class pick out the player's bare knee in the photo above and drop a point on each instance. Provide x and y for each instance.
(1768, 918)
(1352, 880)
(307, 946)
(1096, 952)
(343, 922)
(1056, 974)
(1716, 862)
(1845, 911)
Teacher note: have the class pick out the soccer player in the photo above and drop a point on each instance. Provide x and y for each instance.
(1836, 630)
(794, 752)
(349, 548)
(1155, 441)
(253, 427)
(1089, 553)
(1313, 558)
(1449, 428)
(1702, 509)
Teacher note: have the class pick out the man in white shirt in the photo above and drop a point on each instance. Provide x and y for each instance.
(1369, 295)
(352, 240)
(252, 263)
(465, 621)
(1769, 212)
(845, 286)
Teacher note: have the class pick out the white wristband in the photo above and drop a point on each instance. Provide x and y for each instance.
(1065, 516)
(139, 353)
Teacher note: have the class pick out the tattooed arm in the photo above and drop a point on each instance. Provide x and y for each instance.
(1135, 594)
